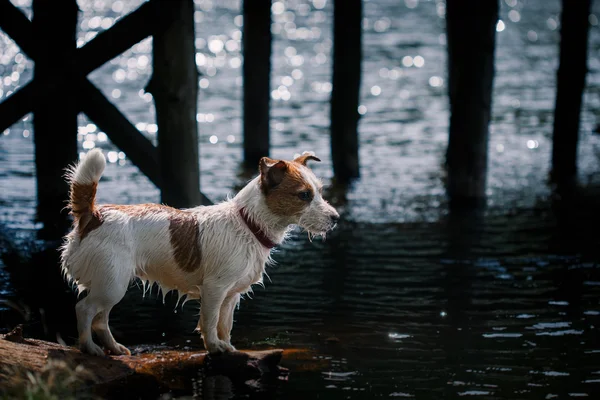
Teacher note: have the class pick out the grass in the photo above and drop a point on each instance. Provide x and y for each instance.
(56, 381)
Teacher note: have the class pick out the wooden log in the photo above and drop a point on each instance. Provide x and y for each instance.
(471, 30)
(55, 118)
(174, 85)
(570, 83)
(256, 49)
(158, 371)
(345, 94)
(32, 355)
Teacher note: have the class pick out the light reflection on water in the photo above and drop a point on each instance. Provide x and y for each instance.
(403, 106)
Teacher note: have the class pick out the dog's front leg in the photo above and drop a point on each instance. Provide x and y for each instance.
(226, 316)
(210, 304)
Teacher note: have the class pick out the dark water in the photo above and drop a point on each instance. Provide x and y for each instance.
(405, 298)
(493, 307)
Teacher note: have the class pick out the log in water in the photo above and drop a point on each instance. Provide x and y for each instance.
(106, 375)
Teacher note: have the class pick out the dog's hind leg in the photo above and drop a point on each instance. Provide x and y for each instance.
(86, 310)
(226, 316)
(100, 326)
(107, 292)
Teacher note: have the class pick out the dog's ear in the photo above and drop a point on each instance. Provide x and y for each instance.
(271, 172)
(307, 155)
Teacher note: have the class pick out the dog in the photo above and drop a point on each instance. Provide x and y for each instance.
(209, 253)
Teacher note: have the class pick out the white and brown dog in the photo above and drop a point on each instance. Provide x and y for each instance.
(213, 253)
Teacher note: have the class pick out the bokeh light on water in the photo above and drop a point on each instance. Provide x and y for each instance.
(403, 107)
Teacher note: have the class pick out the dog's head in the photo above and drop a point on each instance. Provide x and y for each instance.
(294, 193)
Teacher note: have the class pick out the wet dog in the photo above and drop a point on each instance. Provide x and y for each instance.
(213, 253)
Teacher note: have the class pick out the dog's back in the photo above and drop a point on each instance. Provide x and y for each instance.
(117, 242)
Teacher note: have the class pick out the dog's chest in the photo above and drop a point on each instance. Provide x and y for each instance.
(251, 274)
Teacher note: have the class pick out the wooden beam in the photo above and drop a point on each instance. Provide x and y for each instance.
(345, 94)
(256, 49)
(16, 106)
(108, 44)
(126, 32)
(55, 120)
(174, 86)
(121, 132)
(16, 25)
(570, 83)
(471, 30)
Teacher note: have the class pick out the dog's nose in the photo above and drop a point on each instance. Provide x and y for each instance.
(334, 219)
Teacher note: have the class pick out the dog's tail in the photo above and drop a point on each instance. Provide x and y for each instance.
(83, 179)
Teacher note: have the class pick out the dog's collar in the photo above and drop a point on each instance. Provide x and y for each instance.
(258, 233)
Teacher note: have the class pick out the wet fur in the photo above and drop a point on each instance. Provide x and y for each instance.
(206, 253)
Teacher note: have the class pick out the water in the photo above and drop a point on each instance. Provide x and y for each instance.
(445, 309)
(405, 298)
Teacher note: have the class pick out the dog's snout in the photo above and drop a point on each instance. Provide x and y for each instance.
(334, 218)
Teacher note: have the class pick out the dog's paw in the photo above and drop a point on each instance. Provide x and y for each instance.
(91, 348)
(219, 346)
(120, 350)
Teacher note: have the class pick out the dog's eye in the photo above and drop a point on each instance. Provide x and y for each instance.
(305, 196)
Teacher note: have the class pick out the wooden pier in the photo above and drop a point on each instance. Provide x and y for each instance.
(256, 48)
(174, 85)
(471, 45)
(55, 117)
(345, 94)
(570, 83)
(173, 164)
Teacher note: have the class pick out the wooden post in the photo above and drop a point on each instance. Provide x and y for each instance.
(569, 91)
(174, 85)
(257, 74)
(55, 109)
(471, 30)
(345, 94)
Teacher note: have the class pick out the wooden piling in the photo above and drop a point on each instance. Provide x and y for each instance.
(569, 91)
(345, 94)
(471, 36)
(55, 109)
(256, 49)
(174, 85)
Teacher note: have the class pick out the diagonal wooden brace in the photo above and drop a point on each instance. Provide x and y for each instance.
(16, 25)
(16, 106)
(120, 131)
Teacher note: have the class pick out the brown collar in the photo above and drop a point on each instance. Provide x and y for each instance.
(258, 233)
